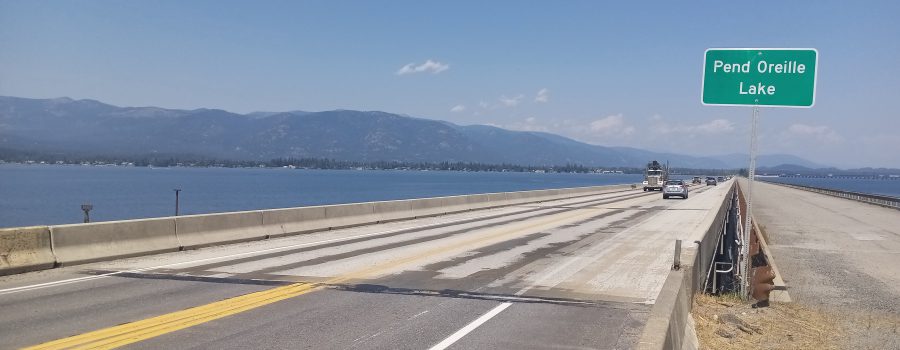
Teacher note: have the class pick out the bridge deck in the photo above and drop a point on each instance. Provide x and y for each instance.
(573, 273)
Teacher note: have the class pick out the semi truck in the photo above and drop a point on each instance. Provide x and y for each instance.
(656, 176)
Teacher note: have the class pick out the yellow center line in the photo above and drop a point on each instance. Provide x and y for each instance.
(136, 331)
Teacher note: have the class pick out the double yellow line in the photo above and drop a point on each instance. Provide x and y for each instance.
(128, 333)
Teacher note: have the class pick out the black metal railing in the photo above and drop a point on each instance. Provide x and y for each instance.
(721, 273)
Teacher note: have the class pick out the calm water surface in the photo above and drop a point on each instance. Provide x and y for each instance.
(51, 194)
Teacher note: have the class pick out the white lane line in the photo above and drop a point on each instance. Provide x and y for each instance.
(462, 332)
(418, 314)
(548, 273)
(490, 314)
(470, 327)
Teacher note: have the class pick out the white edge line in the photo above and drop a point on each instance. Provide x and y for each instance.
(453, 338)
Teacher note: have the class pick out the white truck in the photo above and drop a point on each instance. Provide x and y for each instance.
(655, 177)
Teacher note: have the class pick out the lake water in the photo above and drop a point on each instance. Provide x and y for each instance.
(52, 194)
(881, 187)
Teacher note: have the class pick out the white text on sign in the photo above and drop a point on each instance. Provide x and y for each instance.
(788, 67)
(763, 67)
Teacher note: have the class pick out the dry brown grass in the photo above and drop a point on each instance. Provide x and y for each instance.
(725, 322)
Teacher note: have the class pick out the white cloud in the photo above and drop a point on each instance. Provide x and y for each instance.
(717, 126)
(511, 101)
(458, 108)
(543, 96)
(819, 132)
(612, 125)
(608, 123)
(530, 124)
(713, 127)
(433, 67)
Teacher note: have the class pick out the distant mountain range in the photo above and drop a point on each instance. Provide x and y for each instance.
(68, 126)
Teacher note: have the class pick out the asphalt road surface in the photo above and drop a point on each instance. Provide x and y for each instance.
(567, 274)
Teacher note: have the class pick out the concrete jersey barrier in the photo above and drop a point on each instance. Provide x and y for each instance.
(394, 210)
(292, 221)
(667, 325)
(349, 215)
(24, 249)
(210, 229)
(428, 207)
(83, 243)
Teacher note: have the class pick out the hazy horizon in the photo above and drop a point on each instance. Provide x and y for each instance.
(607, 74)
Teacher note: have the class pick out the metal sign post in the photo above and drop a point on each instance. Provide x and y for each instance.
(758, 77)
(86, 208)
(751, 176)
(177, 191)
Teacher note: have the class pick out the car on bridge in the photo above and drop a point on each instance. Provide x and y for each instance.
(720, 179)
(675, 188)
(696, 180)
(711, 181)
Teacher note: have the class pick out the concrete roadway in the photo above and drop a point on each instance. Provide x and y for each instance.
(568, 274)
(837, 255)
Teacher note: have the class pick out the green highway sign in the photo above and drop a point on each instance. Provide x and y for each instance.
(760, 77)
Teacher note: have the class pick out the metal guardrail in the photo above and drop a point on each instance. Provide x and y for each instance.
(884, 201)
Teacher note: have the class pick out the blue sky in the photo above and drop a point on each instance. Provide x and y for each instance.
(616, 74)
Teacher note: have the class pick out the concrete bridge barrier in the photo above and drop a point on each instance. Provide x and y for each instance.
(394, 210)
(210, 229)
(499, 199)
(515, 198)
(349, 215)
(24, 249)
(38, 248)
(291, 221)
(83, 243)
(668, 325)
(479, 201)
(428, 207)
(458, 204)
